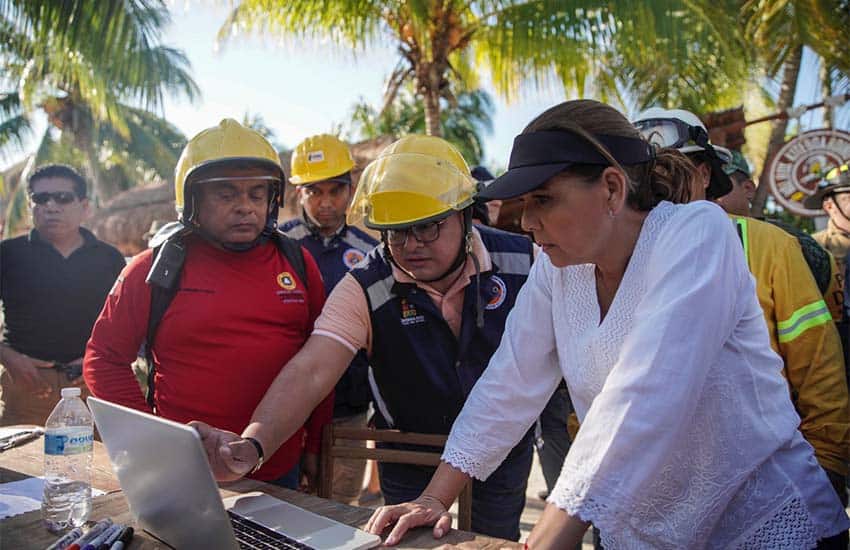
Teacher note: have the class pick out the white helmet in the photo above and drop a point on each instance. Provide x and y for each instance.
(671, 128)
(684, 131)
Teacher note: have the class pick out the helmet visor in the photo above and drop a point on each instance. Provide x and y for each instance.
(401, 189)
(671, 132)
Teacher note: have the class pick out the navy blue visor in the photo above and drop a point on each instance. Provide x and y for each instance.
(538, 156)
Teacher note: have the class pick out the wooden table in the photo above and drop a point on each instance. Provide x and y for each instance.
(26, 531)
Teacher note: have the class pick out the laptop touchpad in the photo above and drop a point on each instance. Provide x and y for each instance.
(276, 514)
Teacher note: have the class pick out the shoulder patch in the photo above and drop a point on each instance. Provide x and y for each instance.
(498, 293)
(352, 257)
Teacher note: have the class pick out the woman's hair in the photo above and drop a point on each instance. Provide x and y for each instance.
(668, 177)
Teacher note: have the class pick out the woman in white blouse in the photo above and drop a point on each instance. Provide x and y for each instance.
(647, 309)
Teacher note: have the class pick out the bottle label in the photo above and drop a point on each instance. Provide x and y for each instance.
(70, 441)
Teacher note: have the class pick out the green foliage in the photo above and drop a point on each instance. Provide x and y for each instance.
(99, 73)
(463, 126)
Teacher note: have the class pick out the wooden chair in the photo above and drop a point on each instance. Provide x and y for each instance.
(331, 451)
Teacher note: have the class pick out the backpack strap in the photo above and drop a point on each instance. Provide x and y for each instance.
(163, 278)
(293, 253)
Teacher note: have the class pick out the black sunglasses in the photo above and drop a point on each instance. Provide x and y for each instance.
(59, 197)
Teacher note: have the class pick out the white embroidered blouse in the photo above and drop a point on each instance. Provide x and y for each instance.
(688, 436)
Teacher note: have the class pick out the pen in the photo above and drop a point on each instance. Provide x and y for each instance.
(114, 535)
(90, 534)
(20, 439)
(66, 540)
(95, 543)
(123, 540)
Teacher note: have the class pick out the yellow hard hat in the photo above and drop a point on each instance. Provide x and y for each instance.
(415, 179)
(226, 143)
(319, 158)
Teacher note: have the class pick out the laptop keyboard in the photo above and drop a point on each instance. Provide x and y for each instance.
(252, 535)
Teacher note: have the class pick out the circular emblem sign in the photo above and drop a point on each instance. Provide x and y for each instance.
(802, 164)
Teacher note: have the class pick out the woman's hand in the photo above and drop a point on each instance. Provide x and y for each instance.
(556, 529)
(425, 510)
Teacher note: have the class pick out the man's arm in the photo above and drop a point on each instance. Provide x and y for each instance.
(117, 336)
(302, 384)
(340, 331)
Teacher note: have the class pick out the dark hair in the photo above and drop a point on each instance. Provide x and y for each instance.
(59, 171)
(668, 176)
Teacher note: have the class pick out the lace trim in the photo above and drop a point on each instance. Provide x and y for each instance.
(574, 501)
(790, 527)
(466, 463)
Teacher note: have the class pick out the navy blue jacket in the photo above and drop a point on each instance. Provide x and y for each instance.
(336, 255)
(421, 372)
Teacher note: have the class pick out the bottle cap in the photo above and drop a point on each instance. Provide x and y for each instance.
(70, 392)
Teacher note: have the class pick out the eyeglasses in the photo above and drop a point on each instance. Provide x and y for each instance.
(424, 233)
(59, 197)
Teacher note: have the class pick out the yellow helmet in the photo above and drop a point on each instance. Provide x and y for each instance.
(223, 144)
(319, 158)
(415, 179)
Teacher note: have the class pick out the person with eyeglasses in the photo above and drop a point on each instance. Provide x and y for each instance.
(53, 283)
(429, 306)
(230, 297)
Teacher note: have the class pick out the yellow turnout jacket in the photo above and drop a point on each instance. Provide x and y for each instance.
(802, 332)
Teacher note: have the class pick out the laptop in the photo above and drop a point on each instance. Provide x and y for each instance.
(163, 470)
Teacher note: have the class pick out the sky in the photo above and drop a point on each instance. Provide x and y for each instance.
(302, 89)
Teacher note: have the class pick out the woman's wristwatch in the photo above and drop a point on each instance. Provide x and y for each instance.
(260, 454)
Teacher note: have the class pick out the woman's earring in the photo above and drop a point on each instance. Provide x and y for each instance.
(611, 213)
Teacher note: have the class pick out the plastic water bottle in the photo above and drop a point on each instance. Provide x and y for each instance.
(68, 445)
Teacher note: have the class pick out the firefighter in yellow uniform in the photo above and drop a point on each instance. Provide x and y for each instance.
(802, 332)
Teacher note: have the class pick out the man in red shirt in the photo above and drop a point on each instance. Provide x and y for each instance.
(240, 309)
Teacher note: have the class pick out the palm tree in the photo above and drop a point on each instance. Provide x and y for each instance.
(443, 44)
(99, 74)
(779, 30)
(462, 126)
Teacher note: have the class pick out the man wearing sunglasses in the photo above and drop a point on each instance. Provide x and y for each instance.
(240, 301)
(53, 283)
(429, 307)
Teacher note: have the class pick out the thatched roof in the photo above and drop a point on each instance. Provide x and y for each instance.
(124, 220)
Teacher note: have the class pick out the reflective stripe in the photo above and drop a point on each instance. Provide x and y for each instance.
(298, 232)
(745, 239)
(379, 400)
(353, 240)
(803, 319)
(511, 263)
(380, 293)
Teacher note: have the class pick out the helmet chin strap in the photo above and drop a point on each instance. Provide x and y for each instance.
(464, 251)
(838, 207)
(262, 238)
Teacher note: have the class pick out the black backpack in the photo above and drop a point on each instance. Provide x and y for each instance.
(168, 259)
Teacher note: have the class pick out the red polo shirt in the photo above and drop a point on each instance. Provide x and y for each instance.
(236, 320)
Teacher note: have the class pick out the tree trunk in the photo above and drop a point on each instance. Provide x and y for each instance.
(432, 113)
(790, 72)
(98, 193)
(826, 83)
